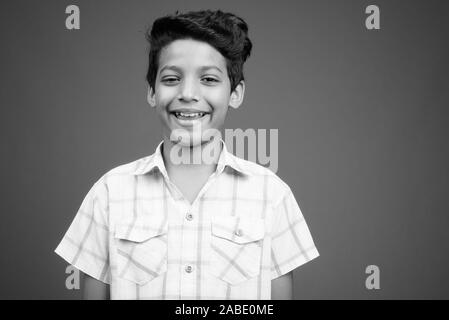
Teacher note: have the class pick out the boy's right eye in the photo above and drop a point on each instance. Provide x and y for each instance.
(169, 80)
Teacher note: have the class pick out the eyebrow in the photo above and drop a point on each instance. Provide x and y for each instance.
(177, 69)
(211, 67)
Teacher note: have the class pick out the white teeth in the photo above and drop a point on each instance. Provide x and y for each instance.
(189, 115)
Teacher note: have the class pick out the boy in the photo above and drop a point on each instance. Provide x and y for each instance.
(225, 228)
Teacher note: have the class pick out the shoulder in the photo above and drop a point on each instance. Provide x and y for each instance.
(260, 175)
(128, 168)
(121, 174)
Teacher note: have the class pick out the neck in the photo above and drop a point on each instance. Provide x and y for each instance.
(190, 158)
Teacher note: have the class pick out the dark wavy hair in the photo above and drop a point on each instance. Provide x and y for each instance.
(226, 32)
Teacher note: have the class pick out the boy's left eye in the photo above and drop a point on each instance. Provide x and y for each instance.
(210, 79)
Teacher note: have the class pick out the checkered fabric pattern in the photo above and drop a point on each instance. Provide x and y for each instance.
(136, 231)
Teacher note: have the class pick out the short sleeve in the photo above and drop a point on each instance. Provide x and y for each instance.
(85, 245)
(291, 242)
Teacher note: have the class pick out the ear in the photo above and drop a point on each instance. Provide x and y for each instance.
(151, 97)
(237, 95)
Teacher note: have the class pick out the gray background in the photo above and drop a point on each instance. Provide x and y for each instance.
(362, 118)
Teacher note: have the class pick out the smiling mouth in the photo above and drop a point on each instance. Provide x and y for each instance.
(189, 115)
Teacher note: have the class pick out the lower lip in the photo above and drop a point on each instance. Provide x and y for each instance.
(187, 121)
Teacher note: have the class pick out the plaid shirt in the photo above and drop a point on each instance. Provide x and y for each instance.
(135, 231)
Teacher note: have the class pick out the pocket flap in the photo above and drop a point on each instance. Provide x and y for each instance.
(239, 229)
(138, 232)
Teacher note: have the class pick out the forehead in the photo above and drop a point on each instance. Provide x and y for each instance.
(188, 54)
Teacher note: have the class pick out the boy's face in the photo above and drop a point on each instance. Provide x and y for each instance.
(192, 89)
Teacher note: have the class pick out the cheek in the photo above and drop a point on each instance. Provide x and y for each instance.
(219, 99)
(164, 95)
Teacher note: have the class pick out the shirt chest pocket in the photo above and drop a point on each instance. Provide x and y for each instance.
(141, 250)
(236, 244)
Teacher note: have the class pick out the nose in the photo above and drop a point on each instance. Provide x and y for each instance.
(188, 91)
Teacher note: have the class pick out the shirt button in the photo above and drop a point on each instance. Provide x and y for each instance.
(239, 232)
(189, 216)
(189, 269)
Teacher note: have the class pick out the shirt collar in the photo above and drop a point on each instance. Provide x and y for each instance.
(226, 159)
